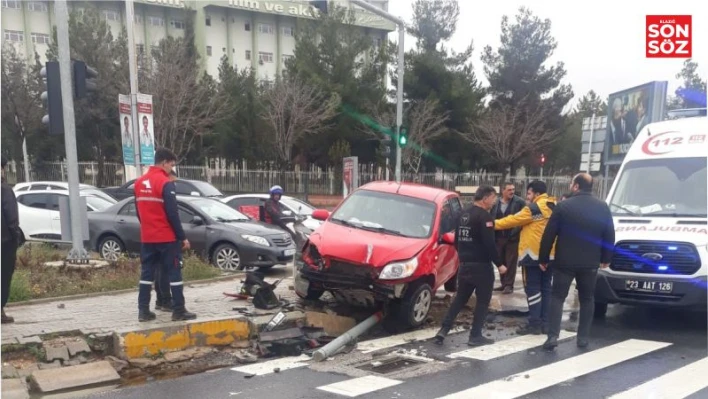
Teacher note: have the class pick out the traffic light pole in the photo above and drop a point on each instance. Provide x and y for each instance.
(77, 253)
(133, 68)
(399, 91)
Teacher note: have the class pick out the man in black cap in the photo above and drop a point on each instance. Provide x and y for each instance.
(10, 240)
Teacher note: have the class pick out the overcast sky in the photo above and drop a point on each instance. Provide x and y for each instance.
(601, 42)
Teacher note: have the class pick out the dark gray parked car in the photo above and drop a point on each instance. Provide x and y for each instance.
(195, 188)
(228, 238)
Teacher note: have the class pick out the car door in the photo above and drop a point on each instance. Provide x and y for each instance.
(35, 218)
(127, 227)
(196, 233)
(54, 215)
(446, 255)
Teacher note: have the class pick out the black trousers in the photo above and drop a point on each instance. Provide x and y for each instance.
(9, 257)
(585, 279)
(477, 278)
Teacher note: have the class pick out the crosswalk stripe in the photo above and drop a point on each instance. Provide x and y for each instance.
(677, 384)
(285, 363)
(539, 378)
(359, 386)
(506, 347)
(400, 339)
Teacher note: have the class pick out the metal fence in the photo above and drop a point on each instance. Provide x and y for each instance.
(295, 183)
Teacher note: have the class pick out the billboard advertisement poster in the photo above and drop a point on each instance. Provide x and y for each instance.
(126, 129)
(147, 131)
(350, 176)
(628, 112)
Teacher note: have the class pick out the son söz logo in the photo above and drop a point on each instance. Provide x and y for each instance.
(669, 36)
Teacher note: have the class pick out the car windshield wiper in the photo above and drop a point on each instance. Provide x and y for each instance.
(222, 220)
(346, 223)
(382, 229)
(625, 209)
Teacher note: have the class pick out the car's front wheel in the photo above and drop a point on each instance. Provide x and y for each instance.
(227, 258)
(111, 248)
(415, 306)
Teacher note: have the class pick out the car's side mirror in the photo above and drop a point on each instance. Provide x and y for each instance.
(195, 194)
(197, 221)
(320, 214)
(287, 213)
(448, 238)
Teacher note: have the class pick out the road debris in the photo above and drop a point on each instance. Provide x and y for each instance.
(348, 337)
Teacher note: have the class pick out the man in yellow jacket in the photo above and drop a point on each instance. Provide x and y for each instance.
(537, 282)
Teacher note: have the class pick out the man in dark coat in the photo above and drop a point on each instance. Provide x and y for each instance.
(508, 240)
(585, 236)
(10, 240)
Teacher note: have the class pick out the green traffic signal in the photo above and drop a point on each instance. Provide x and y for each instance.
(403, 137)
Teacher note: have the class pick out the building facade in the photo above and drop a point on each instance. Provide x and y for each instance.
(252, 33)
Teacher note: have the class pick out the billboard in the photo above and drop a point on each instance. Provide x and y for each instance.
(147, 132)
(126, 129)
(628, 112)
(350, 175)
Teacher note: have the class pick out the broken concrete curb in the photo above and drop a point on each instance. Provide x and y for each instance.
(14, 388)
(74, 377)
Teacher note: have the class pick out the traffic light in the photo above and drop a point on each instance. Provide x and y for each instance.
(543, 159)
(403, 137)
(320, 5)
(390, 150)
(84, 79)
(52, 98)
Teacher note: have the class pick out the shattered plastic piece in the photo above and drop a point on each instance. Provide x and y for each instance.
(274, 322)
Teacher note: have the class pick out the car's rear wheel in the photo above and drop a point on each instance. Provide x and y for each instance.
(227, 258)
(111, 248)
(600, 310)
(414, 308)
(451, 284)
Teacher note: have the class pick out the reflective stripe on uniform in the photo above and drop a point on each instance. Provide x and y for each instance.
(151, 199)
(176, 283)
(146, 282)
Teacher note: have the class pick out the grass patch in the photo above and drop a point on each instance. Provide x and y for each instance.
(33, 280)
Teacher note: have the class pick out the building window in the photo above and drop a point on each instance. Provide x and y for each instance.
(266, 28)
(138, 19)
(265, 57)
(177, 23)
(38, 6)
(208, 20)
(248, 55)
(15, 4)
(156, 21)
(288, 31)
(40, 38)
(14, 36)
(247, 27)
(208, 51)
(111, 15)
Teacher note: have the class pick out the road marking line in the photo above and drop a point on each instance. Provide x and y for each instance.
(507, 347)
(400, 339)
(268, 367)
(530, 381)
(677, 384)
(359, 386)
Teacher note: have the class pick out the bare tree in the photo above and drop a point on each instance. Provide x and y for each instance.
(424, 121)
(185, 104)
(508, 133)
(292, 110)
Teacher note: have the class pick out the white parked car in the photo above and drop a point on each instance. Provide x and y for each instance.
(59, 185)
(39, 212)
(291, 205)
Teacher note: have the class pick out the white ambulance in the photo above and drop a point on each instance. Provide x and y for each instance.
(659, 204)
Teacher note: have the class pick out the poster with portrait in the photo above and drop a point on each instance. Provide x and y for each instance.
(126, 129)
(628, 112)
(350, 175)
(146, 133)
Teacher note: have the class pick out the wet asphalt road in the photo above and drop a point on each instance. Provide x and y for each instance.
(631, 348)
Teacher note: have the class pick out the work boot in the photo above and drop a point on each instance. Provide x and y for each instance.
(146, 315)
(440, 336)
(6, 319)
(499, 289)
(479, 340)
(550, 344)
(530, 330)
(582, 343)
(508, 290)
(165, 307)
(183, 314)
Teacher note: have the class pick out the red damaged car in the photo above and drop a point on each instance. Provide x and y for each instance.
(386, 244)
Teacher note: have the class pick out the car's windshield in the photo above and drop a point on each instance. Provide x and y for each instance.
(388, 213)
(206, 189)
(662, 187)
(218, 210)
(98, 193)
(97, 203)
(302, 208)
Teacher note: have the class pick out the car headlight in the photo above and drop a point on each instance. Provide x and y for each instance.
(399, 270)
(256, 240)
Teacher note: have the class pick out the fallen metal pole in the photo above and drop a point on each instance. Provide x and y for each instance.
(344, 339)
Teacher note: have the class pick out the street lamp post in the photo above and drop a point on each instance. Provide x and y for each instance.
(399, 91)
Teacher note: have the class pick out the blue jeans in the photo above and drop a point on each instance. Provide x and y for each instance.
(537, 285)
(167, 259)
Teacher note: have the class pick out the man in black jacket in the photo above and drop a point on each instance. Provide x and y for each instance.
(477, 251)
(586, 239)
(508, 240)
(10, 240)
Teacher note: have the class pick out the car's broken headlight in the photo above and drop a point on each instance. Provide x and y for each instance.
(399, 270)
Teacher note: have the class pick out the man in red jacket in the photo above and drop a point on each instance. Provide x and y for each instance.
(161, 234)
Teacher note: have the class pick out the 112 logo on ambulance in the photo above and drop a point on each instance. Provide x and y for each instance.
(669, 36)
